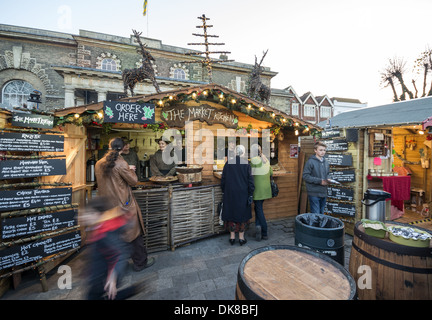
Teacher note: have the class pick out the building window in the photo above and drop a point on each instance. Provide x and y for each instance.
(108, 62)
(16, 93)
(295, 109)
(109, 65)
(309, 111)
(179, 74)
(325, 112)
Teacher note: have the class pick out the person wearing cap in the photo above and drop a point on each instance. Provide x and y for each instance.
(130, 156)
(163, 162)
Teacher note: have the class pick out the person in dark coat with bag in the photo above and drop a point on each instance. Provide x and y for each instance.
(238, 187)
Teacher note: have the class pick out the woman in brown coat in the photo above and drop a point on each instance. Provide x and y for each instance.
(115, 179)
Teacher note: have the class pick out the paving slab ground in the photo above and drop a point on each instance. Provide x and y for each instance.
(202, 270)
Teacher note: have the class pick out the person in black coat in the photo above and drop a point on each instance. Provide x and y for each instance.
(237, 186)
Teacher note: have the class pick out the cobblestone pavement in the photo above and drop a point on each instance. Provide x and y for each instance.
(203, 270)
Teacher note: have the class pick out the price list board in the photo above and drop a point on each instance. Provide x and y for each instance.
(340, 197)
(32, 210)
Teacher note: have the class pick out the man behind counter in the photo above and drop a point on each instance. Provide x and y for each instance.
(130, 156)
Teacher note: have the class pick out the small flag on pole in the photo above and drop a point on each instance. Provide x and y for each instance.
(145, 8)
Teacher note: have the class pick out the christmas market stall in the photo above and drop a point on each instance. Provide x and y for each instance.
(201, 119)
(380, 157)
(385, 148)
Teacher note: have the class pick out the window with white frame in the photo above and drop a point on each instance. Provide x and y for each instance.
(325, 112)
(309, 110)
(295, 109)
(179, 74)
(16, 93)
(109, 64)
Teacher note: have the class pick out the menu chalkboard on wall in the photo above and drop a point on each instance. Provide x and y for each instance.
(34, 198)
(345, 209)
(344, 160)
(26, 226)
(34, 251)
(10, 141)
(340, 193)
(13, 169)
(336, 145)
(343, 175)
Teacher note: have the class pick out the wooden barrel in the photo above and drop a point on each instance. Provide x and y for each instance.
(292, 273)
(385, 270)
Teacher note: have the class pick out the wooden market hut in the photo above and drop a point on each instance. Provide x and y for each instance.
(169, 209)
(389, 144)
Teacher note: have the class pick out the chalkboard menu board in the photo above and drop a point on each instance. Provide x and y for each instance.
(129, 112)
(343, 175)
(34, 198)
(27, 226)
(345, 209)
(344, 160)
(340, 193)
(34, 251)
(32, 120)
(31, 142)
(336, 145)
(13, 169)
(330, 134)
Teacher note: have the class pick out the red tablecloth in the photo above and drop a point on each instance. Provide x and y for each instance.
(400, 189)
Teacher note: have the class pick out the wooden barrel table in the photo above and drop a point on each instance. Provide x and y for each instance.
(292, 273)
(385, 270)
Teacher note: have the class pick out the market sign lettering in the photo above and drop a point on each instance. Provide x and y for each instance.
(32, 120)
(129, 112)
(177, 115)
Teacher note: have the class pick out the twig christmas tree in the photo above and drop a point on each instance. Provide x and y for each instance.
(208, 61)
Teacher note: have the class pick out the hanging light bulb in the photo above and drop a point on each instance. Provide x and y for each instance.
(205, 92)
(194, 95)
(76, 115)
(233, 101)
(100, 114)
(249, 106)
(171, 97)
(273, 114)
(296, 132)
(160, 102)
(261, 108)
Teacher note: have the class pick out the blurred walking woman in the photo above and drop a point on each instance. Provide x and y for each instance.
(115, 179)
(237, 186)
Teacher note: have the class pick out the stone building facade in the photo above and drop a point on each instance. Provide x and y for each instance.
(71, 70)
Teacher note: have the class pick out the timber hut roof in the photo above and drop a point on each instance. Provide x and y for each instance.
(189, 90)
(402, 113)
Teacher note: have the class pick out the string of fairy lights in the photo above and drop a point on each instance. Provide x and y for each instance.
(230, 101)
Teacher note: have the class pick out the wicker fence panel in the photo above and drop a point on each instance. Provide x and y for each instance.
(154, 204)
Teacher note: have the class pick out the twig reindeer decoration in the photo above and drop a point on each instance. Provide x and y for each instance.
(132, 76)
(256, 87)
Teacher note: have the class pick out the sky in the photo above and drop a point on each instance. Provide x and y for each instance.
(332, 47)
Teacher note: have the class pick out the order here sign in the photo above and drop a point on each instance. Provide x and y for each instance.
(129, 112)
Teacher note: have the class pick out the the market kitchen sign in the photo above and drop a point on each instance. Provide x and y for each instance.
(129, 112)
(177, 115)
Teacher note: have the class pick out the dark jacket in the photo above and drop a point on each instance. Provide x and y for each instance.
(313, 173)
(237, 186)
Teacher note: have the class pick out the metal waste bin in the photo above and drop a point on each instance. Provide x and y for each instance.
(374, 200)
